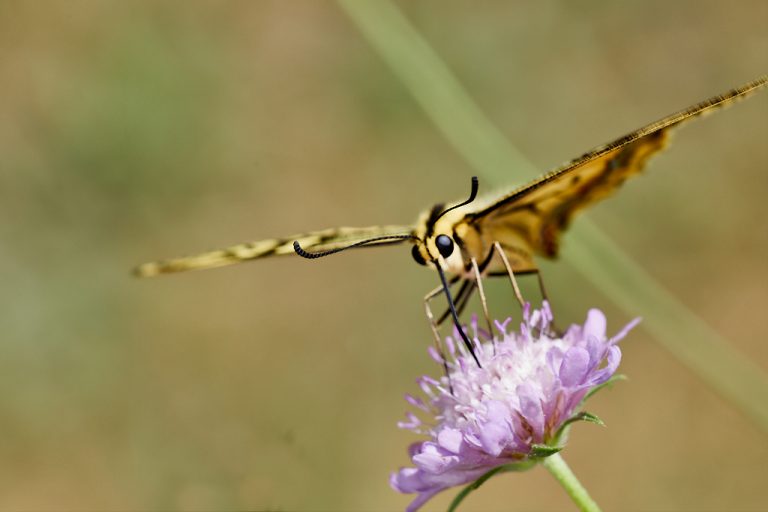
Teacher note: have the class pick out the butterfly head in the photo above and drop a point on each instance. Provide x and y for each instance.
(437, 244)
(439, 249)
(435, 237)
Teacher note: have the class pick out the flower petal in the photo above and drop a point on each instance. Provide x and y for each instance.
(416, 402)
(450, 439)
(495, 430)
(573, 369)
(631, 325)
(595, 324)
(412, 423)
(612, 363)
(554, 359)
(406, 480)
(530, 408)
(422, 498)
(434, 459)
(415, 448)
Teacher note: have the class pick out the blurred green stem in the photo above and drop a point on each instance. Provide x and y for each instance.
(486, 149)
(563, 474)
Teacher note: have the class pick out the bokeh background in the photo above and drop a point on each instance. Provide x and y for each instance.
(131, 131)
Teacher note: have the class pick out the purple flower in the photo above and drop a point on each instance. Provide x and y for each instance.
(530, 383)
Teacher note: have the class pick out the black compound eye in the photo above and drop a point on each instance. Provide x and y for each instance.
(416, 253)
(444, 245)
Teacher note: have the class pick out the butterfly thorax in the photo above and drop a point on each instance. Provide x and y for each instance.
(472, 239)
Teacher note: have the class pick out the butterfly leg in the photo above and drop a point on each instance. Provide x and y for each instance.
(542, 289)
(467, 287)
(483, 302)
(464, 301)
(515, 287)
(545, 297)
(427, 298)
(433, 325)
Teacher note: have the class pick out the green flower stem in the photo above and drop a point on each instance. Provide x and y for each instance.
(563, 474)
(445, 101)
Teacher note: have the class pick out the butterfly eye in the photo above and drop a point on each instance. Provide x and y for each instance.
(416, 253)
(444, 245)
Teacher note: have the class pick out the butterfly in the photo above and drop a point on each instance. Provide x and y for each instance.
(496, 235)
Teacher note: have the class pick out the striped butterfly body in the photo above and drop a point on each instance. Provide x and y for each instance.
(523, 223)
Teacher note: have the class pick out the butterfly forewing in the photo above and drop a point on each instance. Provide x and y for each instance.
(531, 218)
(540, 214)
(324, 240)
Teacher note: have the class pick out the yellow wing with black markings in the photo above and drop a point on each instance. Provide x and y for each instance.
(316, 241)
(535, 214)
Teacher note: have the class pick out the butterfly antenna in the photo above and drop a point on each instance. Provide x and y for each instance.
(319, 254)
(455, 315)
(472, 196)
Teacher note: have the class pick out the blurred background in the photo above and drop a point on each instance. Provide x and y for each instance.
(131, 131)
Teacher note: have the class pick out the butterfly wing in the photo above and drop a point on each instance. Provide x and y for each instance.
(531, 218)
(315, 241)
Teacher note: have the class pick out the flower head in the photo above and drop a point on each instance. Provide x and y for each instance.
(528, 385)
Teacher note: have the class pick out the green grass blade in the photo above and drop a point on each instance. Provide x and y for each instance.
(436, 89)
(472, 134)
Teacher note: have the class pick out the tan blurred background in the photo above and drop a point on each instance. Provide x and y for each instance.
(132, 131)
